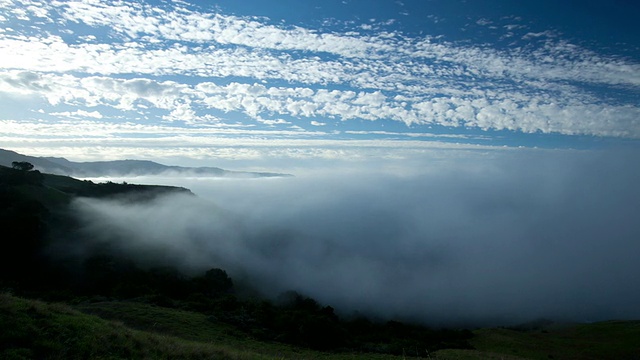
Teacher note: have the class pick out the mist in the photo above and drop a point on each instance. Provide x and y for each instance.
(471, 239)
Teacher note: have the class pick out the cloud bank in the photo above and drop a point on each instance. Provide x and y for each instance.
(475, 240)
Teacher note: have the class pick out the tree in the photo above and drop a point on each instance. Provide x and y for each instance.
(22, 165)
(214, 282)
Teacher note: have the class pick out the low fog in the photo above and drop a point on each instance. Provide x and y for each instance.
(462, 239)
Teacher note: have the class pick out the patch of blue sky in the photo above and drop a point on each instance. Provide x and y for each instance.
(619, 95)
(326, 13)
(18, 107)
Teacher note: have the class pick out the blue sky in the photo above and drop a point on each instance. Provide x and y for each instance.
(259, 80)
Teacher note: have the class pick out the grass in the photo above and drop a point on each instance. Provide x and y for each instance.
(198, 327)
(33, 329)
(603, 340)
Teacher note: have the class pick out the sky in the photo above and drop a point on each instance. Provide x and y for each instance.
(256, 81)
(457, 162)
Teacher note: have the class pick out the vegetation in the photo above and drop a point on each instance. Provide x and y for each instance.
(135, 330)
(22, 165)
(36, 330)
(114, 307)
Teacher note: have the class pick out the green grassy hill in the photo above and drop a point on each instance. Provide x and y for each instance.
(602, 340)
(37, 330)
(132, 330)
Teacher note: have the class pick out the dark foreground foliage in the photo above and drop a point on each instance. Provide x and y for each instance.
(34, 218)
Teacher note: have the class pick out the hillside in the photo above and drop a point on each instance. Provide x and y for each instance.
(50, 188)
(100, 303)
(48, 254)
(133, 330)
(62, 166)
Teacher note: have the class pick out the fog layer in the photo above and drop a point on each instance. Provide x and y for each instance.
(476, 239)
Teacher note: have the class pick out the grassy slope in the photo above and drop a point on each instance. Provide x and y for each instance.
(125, 330)
(603, 340)
(198, 327)
(129, 330)
(36, 330)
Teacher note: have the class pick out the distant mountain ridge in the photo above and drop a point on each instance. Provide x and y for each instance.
(62, 166)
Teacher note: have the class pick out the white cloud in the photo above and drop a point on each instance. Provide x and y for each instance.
(240, 150)
(78, 114)
(273, 122)
(531, 35)
(182, 112)
(134, 20)
(180, 102)
(261, 73)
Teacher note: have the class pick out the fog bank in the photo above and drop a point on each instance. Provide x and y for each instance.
(479, 239)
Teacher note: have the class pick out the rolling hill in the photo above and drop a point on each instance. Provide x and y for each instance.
(62, 166)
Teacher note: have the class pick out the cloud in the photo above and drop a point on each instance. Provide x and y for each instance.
(232, 147)
(217, 63)
(467, 238)
(484, 22)
(180, 101)
(547, 33)
(182, 24)
(79, 114)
